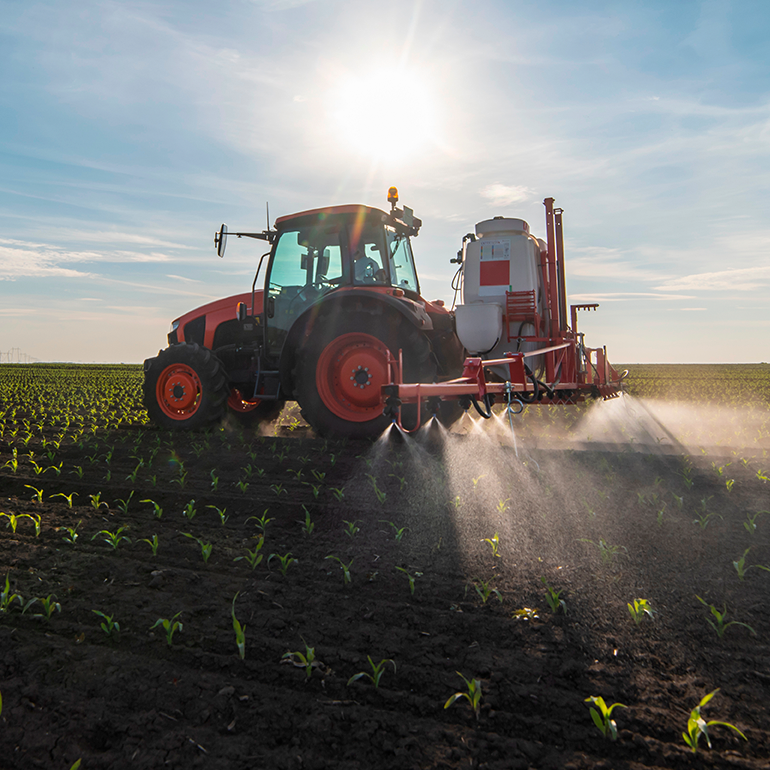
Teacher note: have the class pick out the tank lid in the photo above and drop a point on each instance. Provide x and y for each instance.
(502, 225)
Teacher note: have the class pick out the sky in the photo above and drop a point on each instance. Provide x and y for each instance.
(129, 131)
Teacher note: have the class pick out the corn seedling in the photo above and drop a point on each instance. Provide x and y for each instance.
(109, 625)
(346, 579)
(113, 538)
(697, 726)
(304, 660)
(190, 510)
(473, 695)
(484, 590)
(502, 506)
(123, 504)
(730, 483)
(399, 532)
(338, 492)
(318, 475)
(49, 606)
(261, 521)
(278, 489)
(206, 548)
(38, 493)
(7, 598)
(68, 498)
(214, 480)
(378, 493)
(494, 542)
(73, 534)
(607, 552)
(351, 528)
(553, 597)
(411, 578)
(13, 520)
(602, 716)
(718, 623)
(285, 562)
(475, 486)
(240, 632)
(152, 542)
(314, 488)
(253, 558)
(307, 525)
(157, 510)
(378, 669)
(13, 463)
(742, 568)
(639, 609)
(97, 502)
(170, 626)
(750, 525)
(221, 512)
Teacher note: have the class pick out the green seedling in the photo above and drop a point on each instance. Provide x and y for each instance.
(13, 463)
(742, 568)
(297, 473)
(678, 501)
(214, 480)
(109, 625)
(36, 521)
(314, 488)
(240, 631)
(37, 469)
(338, 492)
(718, 623)
(607, 552)
(134, 473)
(526, 613)
(553, 597)
(411, 578)
(494, 542)
(401, 480)
(13, 519)
(761, 475)
(97, 502)
(502, 506)
(157, 510)
(399, 532)
(206, 548)
(285, 562)
(278, 489)
(484, 590)
(242, 486)
(68, 498)
(704, 518)
(190, 510)
(49, 606)
(248, 470)
(113, 538)
(73, 534)
(639, 609)
(307, 525)
(304, 660)
(318, 475)
(38, 493)
(351, 528)
(253, 558)
(221, 512)
(473, 695)
(7, 598)
(475, 486)
(378, 669)
(170, 626)
(152, 542)
(697, 726)
(346, 579)
(181, 479)
(262, 521)
(378, 493)
(750, 525)
(730, 483)
(602, 716)
(123, 504)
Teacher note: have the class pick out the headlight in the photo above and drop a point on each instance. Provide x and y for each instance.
(174, 326)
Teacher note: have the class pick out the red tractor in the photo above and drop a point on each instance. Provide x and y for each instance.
(340, 295)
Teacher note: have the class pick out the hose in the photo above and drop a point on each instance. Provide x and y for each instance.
(487, 402)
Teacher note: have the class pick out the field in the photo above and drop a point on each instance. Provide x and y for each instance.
(130, 556)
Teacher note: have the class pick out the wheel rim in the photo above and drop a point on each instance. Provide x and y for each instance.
(179, 391)
(237, 403)
(350, 373)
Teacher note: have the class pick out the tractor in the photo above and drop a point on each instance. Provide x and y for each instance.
(341, 327)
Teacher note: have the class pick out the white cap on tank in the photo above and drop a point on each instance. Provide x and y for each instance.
(501, 225)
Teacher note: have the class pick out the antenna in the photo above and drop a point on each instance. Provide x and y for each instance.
(267, 210)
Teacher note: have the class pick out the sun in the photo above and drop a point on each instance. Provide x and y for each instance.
(383, 113)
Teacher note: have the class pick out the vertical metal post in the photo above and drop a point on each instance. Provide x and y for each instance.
(561, 272)
(553, 299)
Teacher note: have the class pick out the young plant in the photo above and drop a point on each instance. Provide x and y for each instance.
(113, 538)
(262, 521)
(170, 626)
(97, 502)
(7, 598)
(602, 716)
(152, 542)
(221, 512)
(553, 597)
(378, 493)
(473, 695)
(49, 606)
(484, 590)
(399, 532)
(639, 609)
(741, 568)
(410, 578)
(190, 510)
(494, 542)
(123, 504)
(378, 669)
(346, 579)
(697, 726)
(750, 525)
(285, 562)
(351, 528)
(253, 558)
(157, 510)
(338, 492)
(214, 480)
(304, 660)
(307, 525)
(38, 493)
(206, 548)
(109, 625)
(73, 533)
(718, 623)
(607, 552)
(68, 498)
(240, 631)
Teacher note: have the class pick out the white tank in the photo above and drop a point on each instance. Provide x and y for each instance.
(504, 257)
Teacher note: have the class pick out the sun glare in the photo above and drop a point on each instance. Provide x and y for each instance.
(384, 114)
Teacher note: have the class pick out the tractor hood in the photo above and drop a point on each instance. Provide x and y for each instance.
(200, 324)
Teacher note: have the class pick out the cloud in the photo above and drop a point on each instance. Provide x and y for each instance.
(741, 279)
(505, 195)
(608, 264)
(622, 296)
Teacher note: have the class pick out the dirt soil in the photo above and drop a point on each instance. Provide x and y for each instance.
(602, 524)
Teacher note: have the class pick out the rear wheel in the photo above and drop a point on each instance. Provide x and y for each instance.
(340, 372)
(185, 388)
(252, 412)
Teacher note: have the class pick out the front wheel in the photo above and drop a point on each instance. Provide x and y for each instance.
(343, 366)
(185, 388)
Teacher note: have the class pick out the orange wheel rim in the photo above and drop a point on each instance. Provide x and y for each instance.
(238, 403)
(351, 372)
(179, 391)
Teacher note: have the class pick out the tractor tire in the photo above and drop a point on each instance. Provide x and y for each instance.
(252, 413)
(185, 388)
(343, 365)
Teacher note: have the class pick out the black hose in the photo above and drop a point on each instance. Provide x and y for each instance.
(486, 415)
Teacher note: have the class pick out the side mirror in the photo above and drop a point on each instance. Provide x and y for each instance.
(323, 263)
(241, 311)
(220, 240)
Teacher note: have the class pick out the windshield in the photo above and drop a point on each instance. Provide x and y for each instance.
(402, 270)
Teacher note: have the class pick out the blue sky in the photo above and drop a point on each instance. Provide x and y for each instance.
(131, 130)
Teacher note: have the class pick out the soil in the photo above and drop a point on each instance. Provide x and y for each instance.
(603, 524)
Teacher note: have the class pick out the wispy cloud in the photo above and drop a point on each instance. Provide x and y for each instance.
(741, 279)
(622, 296)
(504, 195)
